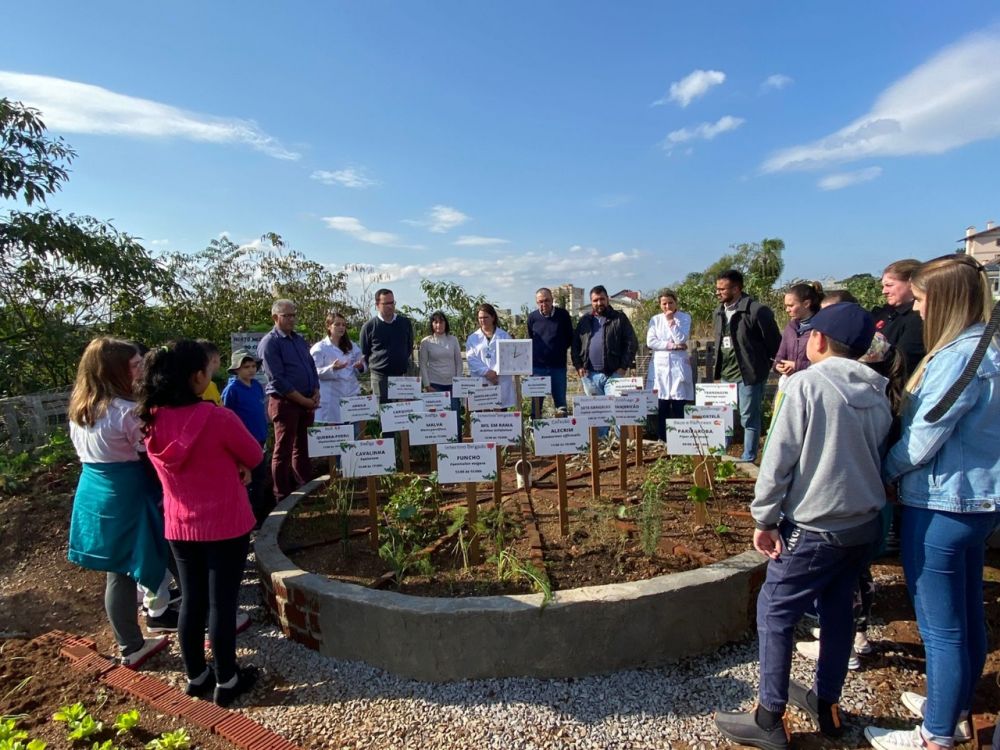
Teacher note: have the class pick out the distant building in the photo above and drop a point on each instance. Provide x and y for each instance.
(568, 296)
(626, 301)
(984, 246)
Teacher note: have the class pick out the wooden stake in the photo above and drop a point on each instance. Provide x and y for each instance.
(640, 431)
(434, 457)
(470, 521)
(373, 511)
(524, 445)
(703, 471)
(595, 463)
(498, 483)
(623, 458)
(333, 468)
(561, 481)
(404, 441)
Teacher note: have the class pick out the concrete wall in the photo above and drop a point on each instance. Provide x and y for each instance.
(584, 631)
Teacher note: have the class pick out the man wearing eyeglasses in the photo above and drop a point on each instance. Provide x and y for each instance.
(293, 396)
(387, 343)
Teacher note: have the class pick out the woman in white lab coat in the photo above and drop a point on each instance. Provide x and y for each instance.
(338, 362)
(670, 365)
(481, 353)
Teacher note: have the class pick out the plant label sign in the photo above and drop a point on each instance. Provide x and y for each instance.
(433, 427)
(484, 397)
(467, 462)
(695, 437)
(618, 386)
(395, 414)
(713, 394)
(652, 401)
(630, 408)
(722, 411)
(368, 458)
(359, 408)
(403, 388)
(554, 437)
(536, 385)
(436, 400)
(500, 427)
(463, 385)
(594, 411)
(326, 440)
(514, 356)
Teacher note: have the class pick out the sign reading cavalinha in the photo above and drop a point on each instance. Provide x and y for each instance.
(368, 458)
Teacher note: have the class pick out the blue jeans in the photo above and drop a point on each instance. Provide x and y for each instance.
(456, 405)
(751, 402)
(942, 556)
(593, 385)
(558, 375)
(810, 569)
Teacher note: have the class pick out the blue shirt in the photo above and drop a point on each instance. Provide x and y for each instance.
(288, 364)
(248, 403)
(595, 351)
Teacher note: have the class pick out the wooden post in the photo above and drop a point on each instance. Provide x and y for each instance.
(333, 468)
(640, 431)
(498, 482)
(623, 458)
(704, 468)
(467, 426)
(373, 511)
(470, 520)
(434, 457)
(595, 463)
(561, 481)
(404, 442)
(524, 447)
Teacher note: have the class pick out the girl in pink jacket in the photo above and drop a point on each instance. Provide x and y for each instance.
(201, 453)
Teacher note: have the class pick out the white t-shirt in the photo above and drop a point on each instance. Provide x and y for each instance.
(116, 437)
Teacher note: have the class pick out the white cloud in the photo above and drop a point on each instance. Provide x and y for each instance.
(74, 107)
(474, 240)
(846, 179)
(946, 102)
(158, 243)
(776, 82)
(704, 131)
(443, 218)
(694, 85)
(350, 177)
(353, 227)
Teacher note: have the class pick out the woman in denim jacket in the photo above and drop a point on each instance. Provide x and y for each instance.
(948, 474)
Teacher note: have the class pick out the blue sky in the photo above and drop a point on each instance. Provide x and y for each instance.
(510, 145)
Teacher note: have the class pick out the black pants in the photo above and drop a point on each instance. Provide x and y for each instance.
(668, 409)
(211, 574)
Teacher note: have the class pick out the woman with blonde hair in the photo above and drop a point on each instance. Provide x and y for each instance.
(947, 469)
(116, 526)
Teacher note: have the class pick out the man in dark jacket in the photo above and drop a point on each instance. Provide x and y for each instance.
(551, 332)
(387, 343)
(897, 320)
(604, 344)
(746, 340)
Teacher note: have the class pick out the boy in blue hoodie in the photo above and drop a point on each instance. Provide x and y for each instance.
(816, 505)
(245, 395)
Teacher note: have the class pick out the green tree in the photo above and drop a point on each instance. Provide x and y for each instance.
(867, 289)
(63, 279)
(458, 305)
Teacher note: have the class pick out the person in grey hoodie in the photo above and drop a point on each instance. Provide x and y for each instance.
(816, 505)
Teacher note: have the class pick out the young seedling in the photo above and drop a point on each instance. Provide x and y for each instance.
(126, 722)
(175, 740)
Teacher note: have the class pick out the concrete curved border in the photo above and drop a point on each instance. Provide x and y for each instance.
(584, 631)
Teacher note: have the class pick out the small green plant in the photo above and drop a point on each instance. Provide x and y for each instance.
(106, 745)
(126, 722)
(175, 740)
(12, 738)
(80, 725)
(341, 492)
(71, 714)
(511, 567)
(458, 515)
(651, 510)
(402, 555)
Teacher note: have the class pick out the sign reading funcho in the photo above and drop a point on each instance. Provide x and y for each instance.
(467, 462)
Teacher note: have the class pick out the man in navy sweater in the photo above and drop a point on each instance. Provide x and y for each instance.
(387, 343)
(551, 332)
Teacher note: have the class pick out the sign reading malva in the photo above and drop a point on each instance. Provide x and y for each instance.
(433, 427)
(368, 458)
(467, 462)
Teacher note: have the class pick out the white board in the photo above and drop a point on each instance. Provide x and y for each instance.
(536, 385)
(463, 385)
(630, 408)
(433, 427)
(501, 427)
(435, 400)
(722, 411)
(404, 388)
(467, 462)
(594, 411)
(694, 437)
(712, 394)
(393, 414)
(327, 439)
(484, 397)
(617, 386)
(514, 356)
(561, 436)
(368, 458)
(359, 408)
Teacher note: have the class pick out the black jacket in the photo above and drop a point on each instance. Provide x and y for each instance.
(755, 337)
(620, 345)
(903, 328)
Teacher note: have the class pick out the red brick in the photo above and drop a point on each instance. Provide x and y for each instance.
(306, 639)
(242, 731)
(93, 665)
(205, 715)
(75, 652)
(173, 702)
(78, 641)
(119, 677)
(296, 617)
(146, 687)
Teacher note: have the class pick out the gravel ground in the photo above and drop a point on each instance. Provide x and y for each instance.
(320, 702)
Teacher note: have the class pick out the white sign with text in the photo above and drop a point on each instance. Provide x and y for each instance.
(618, 386)
(394, 414)
(722, 411)
(594, 411)
(368, 458)
(554, 437)
(359, 408)
(326, 439)
(467, 462)
(536, 385)
(436, 400)
(713, 394)
(463, 385)
(501, 427)
(433, 427)
(630, 408)
(403, 387)
(695, 437)
(484, 397)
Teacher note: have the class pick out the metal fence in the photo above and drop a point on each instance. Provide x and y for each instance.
(27, 421)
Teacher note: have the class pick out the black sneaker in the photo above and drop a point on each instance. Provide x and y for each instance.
(165, 623)
(827, 718)
(201, 689)
(246, 677)
(742, 728)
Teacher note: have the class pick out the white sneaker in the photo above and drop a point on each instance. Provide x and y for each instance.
(150, 647)
(814, 632)
(894, 739)
(915, 703)
(810, 650)
(861, 644)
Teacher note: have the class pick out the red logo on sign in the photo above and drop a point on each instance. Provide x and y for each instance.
(490, 445)
(379, 442)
